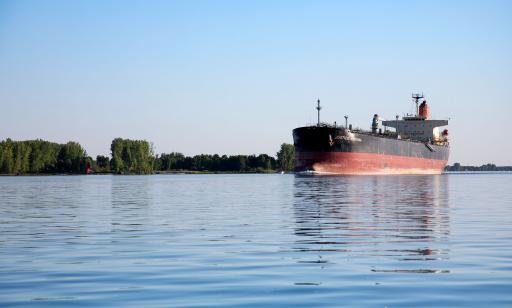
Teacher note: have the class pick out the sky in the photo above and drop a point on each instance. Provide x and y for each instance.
(235, 77)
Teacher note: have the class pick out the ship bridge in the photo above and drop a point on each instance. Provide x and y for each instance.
(419, 126)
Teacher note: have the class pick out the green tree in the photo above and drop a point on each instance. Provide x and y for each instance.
(131, 156)
(7, 154)
(286, 157)
(102, 163)
(9, 157)
(39, 156)
(71, 158)
(264, 162)
(116, 149)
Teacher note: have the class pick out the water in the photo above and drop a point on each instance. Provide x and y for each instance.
(256, 240)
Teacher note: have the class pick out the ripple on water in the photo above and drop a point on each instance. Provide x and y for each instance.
(253, 240)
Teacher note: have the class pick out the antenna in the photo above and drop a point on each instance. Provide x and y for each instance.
(417, 97)
(318, 108)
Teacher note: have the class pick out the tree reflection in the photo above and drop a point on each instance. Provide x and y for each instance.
(130, 199)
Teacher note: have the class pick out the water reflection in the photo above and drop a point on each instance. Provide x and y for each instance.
(130, 199)
(382, 221)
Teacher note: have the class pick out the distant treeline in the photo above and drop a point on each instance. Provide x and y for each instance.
(128, 157)
(239, 163)
(39, 156)
(486, 167)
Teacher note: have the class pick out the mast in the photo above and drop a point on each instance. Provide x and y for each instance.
(318, 108)
(417, 97)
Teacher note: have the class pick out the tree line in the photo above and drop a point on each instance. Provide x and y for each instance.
(486, 167)
(39, 156)
(128, 157)
(216, 163)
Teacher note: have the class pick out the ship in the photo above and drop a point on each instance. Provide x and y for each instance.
(412, 144)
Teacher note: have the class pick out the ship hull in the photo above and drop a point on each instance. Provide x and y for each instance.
(366, 164)
(338, 151)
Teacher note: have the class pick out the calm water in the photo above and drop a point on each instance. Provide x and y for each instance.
(255, 240)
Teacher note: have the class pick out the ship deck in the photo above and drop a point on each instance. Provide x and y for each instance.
(388, 134)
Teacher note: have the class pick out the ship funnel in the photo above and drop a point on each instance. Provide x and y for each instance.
(424, 110)
(375, 123)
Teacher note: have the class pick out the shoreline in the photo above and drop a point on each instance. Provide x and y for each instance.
(153, 173)
(191, 172)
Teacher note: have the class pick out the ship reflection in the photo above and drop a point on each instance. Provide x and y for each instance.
(380, 221)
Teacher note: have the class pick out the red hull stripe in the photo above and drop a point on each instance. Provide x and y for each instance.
(366, 163)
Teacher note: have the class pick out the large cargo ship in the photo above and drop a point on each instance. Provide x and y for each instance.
(414, 145)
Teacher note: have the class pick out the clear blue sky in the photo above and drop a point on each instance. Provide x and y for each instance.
(237, 76)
